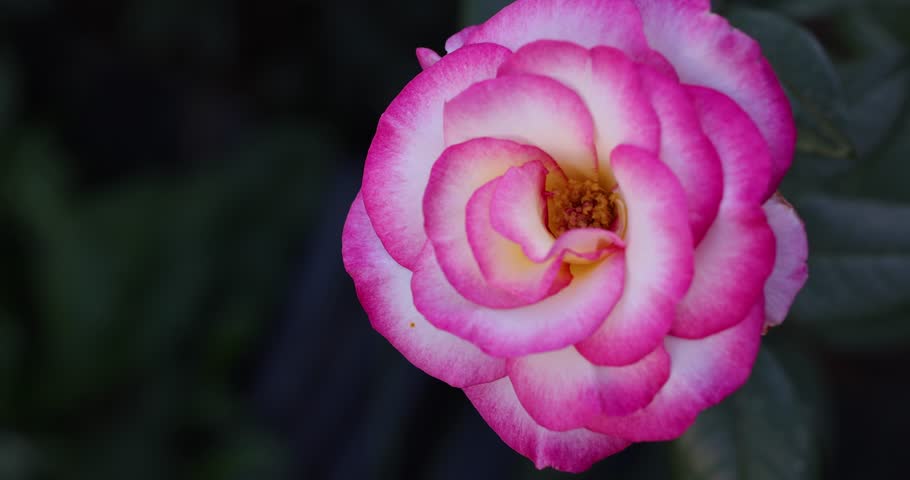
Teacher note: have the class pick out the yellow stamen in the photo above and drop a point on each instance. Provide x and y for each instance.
(581, 204)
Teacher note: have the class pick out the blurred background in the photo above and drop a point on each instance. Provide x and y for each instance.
(174, 175)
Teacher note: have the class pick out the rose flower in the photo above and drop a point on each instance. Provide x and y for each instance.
(572, 216)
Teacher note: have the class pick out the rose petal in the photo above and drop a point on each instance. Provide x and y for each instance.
(518, 209)
(707, 51)
(659, 261)
(458, 173)
(555, 322)
(458, 40)
(608, 82)
(383, 287)
(586, 245)
(790, 269)
(427, 58)
(589, 23)
(731, 266)
(408, 140)
(529, 109)
(572, 451)
(744, 155)
(502, 262)
(702, 373)
(734, 259)
(562, 390)
(686, 150)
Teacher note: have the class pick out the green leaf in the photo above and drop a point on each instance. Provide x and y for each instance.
(760, 432)
(884, 175)
(873, 115)
(893, 15)
(474, 12)
(858, 292)
(823, 148)
(805, 8)
(806, 370)
(863, 37)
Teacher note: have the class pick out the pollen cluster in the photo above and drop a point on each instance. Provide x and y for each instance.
(581, 204)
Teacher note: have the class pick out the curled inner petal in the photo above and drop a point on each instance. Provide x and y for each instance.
(458, 173)
(502, 261)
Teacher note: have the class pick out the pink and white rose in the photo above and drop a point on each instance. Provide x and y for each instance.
(572, 216)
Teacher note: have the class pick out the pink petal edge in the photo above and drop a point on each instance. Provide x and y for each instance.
(562, 390)
(589, 23)
(658, 258)
(735, 257)
(608, 82)
(427, 58)
(408, 140)
(702, 373)
(706, 51)
(685, 148)
(790, 267)
(555, 322)
(383, 287)
(571, 451)
(531, 110)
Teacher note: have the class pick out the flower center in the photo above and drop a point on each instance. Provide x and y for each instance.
(581, 204)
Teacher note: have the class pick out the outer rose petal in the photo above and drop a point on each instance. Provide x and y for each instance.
(743, 152)
(561, 390)
(686, 150)
(589, 23)
(658, 256)
(383, 287)
(707, 51)
(427, 57)
(790, 269)
(458, 40)
(572, 451)
(703, 372)
(731, 266)
(408, 140)
(461, 170)
(532, 110)
(735, 258)
(555, 322)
